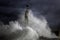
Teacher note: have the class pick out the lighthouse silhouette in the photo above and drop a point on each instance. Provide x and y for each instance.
(27, 12)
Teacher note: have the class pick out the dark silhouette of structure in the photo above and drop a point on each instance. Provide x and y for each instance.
(27, 12)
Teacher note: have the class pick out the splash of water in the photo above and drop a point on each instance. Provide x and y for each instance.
(40, 26)
(14, 31)
(35, 28)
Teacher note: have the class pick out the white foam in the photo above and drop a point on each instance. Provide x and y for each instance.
(35, 28)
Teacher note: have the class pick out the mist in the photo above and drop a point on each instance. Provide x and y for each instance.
(16, 30)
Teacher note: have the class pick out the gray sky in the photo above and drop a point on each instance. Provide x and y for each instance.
(50, 9)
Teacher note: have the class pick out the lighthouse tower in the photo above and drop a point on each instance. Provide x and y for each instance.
(26, 13)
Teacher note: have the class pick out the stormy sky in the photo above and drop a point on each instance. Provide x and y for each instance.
(50, 9)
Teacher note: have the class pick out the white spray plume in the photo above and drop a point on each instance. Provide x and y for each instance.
(34, 29)
(39, 25)
(14, 31)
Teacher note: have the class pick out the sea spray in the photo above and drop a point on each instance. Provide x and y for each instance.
(39, 25)
(35, 28)
(14, 31)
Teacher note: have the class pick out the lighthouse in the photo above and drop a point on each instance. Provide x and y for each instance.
(26, 13)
